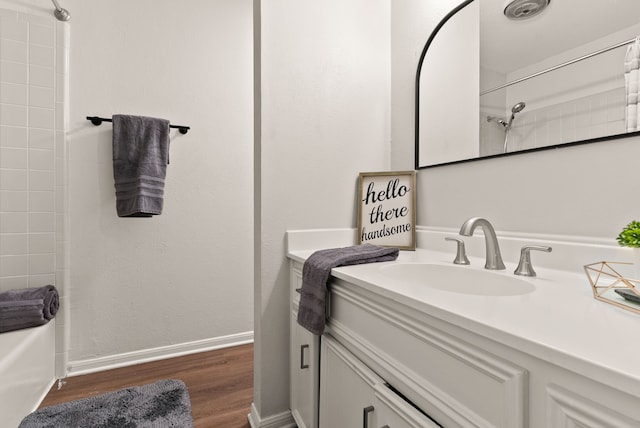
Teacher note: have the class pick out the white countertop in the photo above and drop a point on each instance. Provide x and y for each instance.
(560, 321)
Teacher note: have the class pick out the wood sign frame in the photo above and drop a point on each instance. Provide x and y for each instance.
(386, 209)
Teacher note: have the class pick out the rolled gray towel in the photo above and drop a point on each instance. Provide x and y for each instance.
(28, 307)
(21, 314)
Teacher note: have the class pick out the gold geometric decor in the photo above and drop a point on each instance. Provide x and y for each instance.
(613, 283)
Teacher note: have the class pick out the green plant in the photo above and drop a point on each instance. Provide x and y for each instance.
(630, 235)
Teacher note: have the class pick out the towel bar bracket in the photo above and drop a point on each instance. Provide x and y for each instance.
(97, 121)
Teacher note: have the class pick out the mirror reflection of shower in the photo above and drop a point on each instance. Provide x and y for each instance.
(506, 125)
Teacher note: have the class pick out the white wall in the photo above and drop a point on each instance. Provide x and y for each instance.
(583, 191)
(186, 275)
(324, 72)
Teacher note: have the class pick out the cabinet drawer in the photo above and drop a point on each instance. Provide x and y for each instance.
(394, 412)
(453, 381)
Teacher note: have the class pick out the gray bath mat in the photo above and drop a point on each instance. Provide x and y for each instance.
(157, 405)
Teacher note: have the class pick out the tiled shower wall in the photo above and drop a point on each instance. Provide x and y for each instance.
(33, 64)
(584, 118)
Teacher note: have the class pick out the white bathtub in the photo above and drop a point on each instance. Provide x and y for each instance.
(27, 371)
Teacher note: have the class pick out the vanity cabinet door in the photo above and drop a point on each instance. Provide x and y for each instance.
(351, 395)
(304, 361)
(303, 367)
(347, 394)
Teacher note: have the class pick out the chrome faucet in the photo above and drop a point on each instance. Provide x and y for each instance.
(494, 259)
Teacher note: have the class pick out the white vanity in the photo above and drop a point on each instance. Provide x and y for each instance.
(400, 350)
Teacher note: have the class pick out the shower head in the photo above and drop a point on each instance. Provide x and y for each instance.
(60, 13)
(518, 107)
(523, 9)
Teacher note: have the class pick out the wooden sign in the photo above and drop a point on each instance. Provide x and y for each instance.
(386, 211)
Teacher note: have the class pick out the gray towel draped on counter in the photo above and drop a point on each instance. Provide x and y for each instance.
(315, 274)
(28, 307)
(140, 158)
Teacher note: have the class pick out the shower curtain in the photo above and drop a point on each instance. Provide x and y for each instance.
(632, 85)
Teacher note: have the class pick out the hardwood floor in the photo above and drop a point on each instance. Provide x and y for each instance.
(220, 384)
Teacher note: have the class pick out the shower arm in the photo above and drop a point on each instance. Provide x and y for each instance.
(60, 13)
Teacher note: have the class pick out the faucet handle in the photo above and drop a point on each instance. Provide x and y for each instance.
(461, 256)
(525, 268)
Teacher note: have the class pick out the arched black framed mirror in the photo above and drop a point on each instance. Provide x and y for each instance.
(489, 86)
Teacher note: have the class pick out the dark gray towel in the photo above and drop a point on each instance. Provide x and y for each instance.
(140, 158)
(28, 307)
(315, 274)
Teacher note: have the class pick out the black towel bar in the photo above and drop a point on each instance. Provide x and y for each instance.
(98, 121)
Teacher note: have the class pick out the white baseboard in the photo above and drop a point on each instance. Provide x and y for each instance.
(93, 365)
(281, 420)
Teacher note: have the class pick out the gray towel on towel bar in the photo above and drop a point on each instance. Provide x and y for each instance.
(28, 307)
(315, 274)
(140, 158)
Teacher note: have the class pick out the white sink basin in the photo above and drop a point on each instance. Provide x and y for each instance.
(458, 279)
